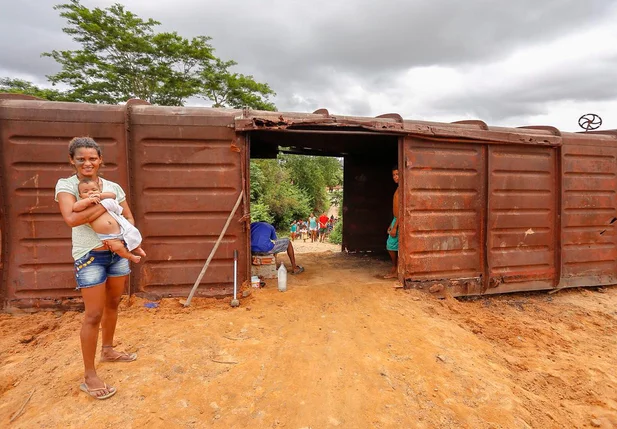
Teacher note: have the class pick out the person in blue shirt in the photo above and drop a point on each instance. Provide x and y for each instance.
(313, 227)
(264, 240)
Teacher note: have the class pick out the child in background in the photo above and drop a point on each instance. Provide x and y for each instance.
(294, 228)
(304, 230)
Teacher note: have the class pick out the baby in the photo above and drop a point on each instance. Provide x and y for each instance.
(118, 234)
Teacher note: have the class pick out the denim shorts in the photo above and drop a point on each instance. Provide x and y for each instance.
(95, 266)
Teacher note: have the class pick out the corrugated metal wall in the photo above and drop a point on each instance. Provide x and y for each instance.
(589, 210)
(522, 201)
(485, 210)
(480, 218)
(188, 179)
(185, 179)
(444, 212)
(35, 136)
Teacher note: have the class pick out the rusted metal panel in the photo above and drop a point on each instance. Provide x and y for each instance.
(35, 137)
(484, 209)
(522, 200)
(589, 210)
(473, 131)
(443, 214)
(367, 202)
(188, 177)
(260, 120)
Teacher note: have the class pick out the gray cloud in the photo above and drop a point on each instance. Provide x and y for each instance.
(308, 43)
(27, 29)
(309, 51)
(593, 80)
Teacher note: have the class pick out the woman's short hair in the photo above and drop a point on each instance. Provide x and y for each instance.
(83, 142)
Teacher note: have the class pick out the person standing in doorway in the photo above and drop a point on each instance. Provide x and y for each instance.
(313, 227)
(99, 273)
(392, 241)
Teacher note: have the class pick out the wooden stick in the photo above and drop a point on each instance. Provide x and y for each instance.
(216, 246)
(18, 413)
(229, 362)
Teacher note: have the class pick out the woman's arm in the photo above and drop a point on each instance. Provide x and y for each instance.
(127, 213)
(72, 218)
(394, 228)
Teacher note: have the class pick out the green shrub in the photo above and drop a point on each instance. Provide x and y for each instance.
(260, 212)
(336, 236)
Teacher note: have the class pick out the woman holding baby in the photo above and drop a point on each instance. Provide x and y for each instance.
(100, 273)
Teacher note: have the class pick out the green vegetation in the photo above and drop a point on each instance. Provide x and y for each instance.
(19, 86)
(123, 56)
(336, 197)
(336, 236)
(292, 187)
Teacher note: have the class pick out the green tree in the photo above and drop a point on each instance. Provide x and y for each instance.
(19, 86)
(225, 88)
(260, 212)
(314, 174)
(122, 57)
(332, 169)
(271, 188)
(336, 197)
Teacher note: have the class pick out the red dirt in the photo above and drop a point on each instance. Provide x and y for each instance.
(339, 348)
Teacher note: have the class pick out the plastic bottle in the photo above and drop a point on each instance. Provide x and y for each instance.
(282, 275)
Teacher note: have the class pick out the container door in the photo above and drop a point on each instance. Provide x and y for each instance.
(521, 218)
(186, 179)
(589, 211)
(443, 215)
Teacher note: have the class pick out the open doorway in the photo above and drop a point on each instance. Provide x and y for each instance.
(368, 158)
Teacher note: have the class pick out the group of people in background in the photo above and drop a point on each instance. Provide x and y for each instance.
(315, 229)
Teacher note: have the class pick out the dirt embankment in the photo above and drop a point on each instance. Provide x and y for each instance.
(340, 348)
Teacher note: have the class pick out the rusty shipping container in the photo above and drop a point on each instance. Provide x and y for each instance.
(483, 209)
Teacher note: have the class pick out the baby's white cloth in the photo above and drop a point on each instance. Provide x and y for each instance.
(130, 234)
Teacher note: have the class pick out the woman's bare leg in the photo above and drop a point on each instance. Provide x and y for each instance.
(394, 271)
(115, 288)
(94, 302)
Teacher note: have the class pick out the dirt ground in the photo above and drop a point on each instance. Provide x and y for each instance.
(302, 247)
(341, 348)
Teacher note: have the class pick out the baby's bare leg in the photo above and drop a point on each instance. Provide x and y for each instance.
(118, 247)
(139, 251)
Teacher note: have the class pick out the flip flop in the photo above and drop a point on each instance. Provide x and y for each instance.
(92, 392)
(122, 357)
(299, 269)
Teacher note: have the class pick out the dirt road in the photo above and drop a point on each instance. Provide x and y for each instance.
(341, 348)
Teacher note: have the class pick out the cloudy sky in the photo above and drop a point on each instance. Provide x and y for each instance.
(512, 63)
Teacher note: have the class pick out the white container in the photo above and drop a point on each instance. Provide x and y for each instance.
(282, 275)
(255, 281)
